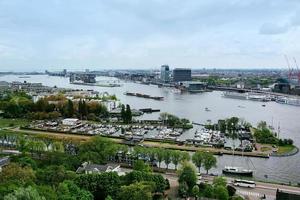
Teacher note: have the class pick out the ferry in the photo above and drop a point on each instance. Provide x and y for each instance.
(237, 171)
(289, 101)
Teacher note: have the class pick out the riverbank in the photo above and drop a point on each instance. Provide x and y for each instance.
(147, 143)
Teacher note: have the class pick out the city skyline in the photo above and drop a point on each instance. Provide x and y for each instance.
(145, 35)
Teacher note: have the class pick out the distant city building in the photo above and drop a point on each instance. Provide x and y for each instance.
(165, 73)
(82, 77)
(182, 74)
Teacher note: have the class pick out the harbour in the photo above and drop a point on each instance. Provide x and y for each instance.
(283, 169)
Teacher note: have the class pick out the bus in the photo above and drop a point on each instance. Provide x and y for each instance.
(244, 183)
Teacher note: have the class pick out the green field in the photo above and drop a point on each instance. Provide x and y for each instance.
(13, 122)
(285, 149)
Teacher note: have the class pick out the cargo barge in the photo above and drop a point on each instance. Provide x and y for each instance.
(144, 96)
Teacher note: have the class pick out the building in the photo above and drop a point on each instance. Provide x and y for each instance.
(193, 86)
(3, 162)
(89, 168)
(182, 74)
(82, 77)
(287, 195)
(165, 74)
(70, 121)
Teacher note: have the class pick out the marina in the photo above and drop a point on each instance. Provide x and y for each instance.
(283, 169)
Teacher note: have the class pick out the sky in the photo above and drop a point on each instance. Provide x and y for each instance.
(144, 34)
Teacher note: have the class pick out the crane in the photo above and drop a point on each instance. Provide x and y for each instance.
(298, 71)
(289, 68)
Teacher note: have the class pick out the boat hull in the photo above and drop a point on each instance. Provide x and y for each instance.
(239, 173)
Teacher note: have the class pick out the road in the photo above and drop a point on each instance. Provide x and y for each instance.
(261, 189)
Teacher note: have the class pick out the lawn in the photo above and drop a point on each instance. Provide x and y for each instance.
(285, 149)
(266, 148)
(12, 122)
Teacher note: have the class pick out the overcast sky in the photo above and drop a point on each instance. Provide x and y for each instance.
(112, 34)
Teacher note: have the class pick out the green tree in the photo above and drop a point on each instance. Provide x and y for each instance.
(22, 193)
(209, 161)
(221, 192)
(159, 155)
(128, 114)
(140, 165)
(198, 159)
(20, 175)
(176, 158)
(123, 113)
(70, 109)
(219, 181)
(167, 157)
(69, 190)
(136, 191)
(187, 175)
(97, 150)
(195, 191)
(100, 185)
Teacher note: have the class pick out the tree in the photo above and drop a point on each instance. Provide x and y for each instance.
(100, 185)
(22, 193)
(123, 113)
(136, 191)
(176, 158)
(138, 176)
(167, 157)
(69, 190)
(70, 108)
(108, 198)
(187, 175)
(16, 173)
(198, 159)
(53, 175)
(209, 161)
(195, 191)
(128, 114)
(159, 155)
(140, 165)
(57, 146)
(97, 150)
(219, 181)
(221, 192)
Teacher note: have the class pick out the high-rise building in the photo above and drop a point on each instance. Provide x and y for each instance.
(182, 74)
(165, 73)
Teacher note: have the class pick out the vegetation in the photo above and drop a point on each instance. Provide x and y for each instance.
(205, 159)
(21, 105)
(174, 121)
(126, 114)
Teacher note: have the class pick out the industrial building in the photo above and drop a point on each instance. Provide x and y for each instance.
(82, 77)
(182, 74)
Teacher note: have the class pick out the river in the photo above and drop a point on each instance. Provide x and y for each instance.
(192, 107)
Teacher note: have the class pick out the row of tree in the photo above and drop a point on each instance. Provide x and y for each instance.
(174, 121)
(16, 105)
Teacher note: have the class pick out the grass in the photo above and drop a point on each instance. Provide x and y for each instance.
(285, 149)
(265, 148)
(4, 123)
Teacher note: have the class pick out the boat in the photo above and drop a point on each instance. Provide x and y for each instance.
(235, 95)
(144, 96)
(207, 109)
(237, 171)
(289, 101)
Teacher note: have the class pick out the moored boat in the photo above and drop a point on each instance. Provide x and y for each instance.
(237, 171)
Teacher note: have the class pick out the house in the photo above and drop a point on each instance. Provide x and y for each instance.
(3, 162)
(89, 168)
(70, 121)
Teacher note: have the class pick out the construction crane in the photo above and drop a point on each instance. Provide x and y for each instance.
(290, 72)
(298, 71)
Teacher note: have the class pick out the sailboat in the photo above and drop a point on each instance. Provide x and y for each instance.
(240, 171)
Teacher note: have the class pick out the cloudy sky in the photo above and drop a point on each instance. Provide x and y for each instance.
(113, 34)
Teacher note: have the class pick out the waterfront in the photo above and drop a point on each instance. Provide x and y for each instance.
(192, 106)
